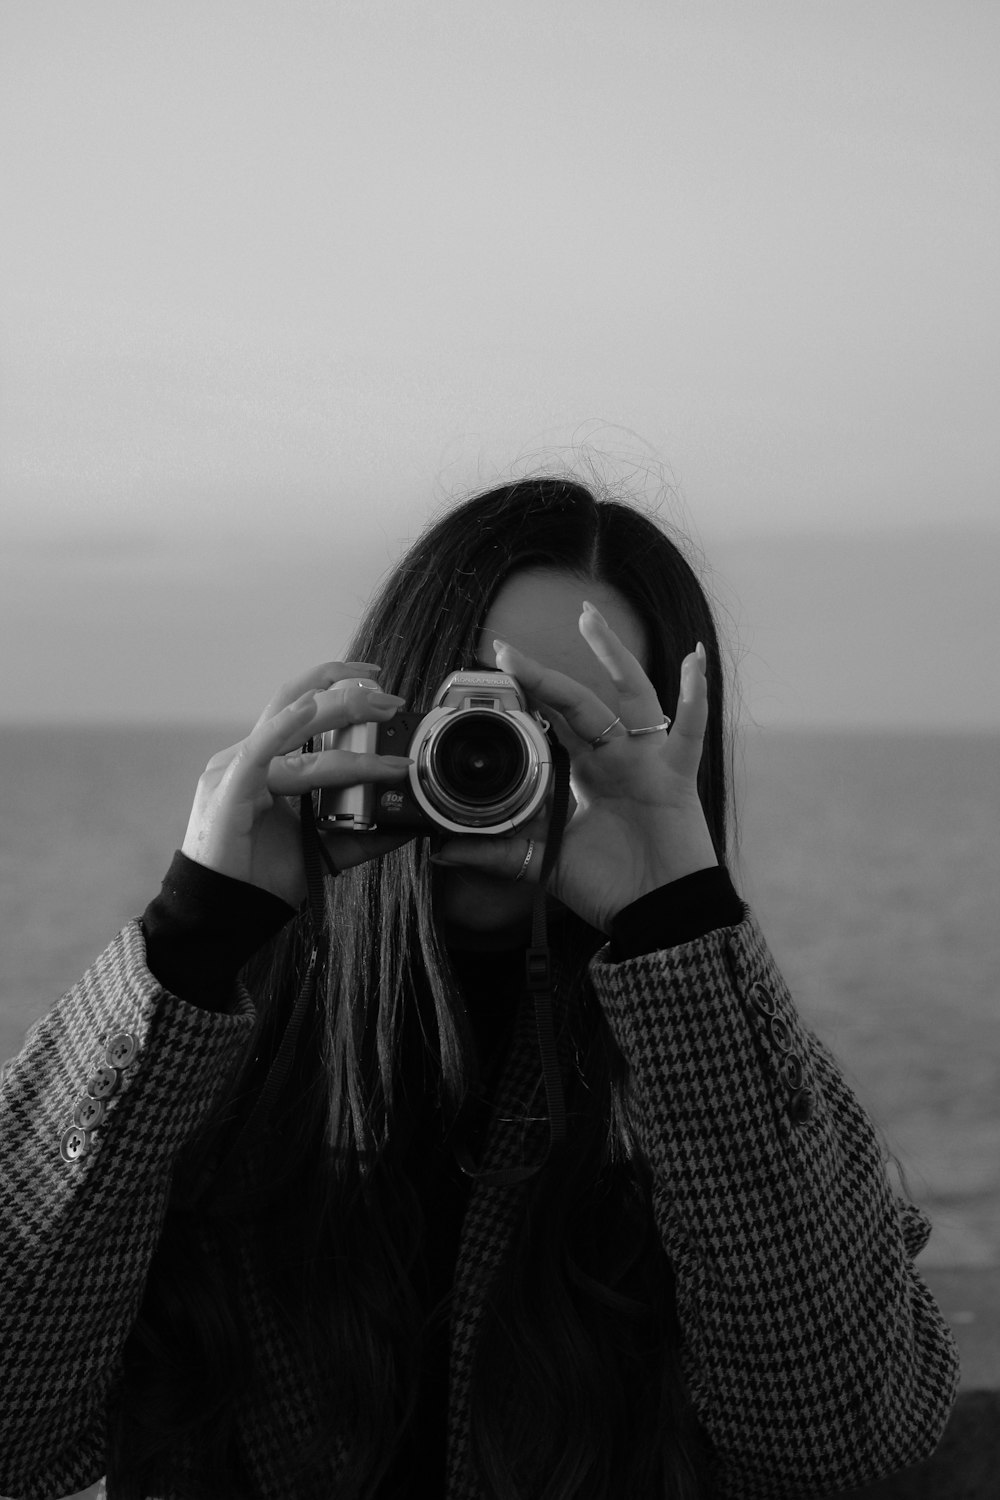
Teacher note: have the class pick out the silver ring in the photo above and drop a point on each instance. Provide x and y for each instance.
(527, 861)
(599, 739)
(654, 728)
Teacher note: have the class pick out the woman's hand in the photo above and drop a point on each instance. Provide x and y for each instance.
(241, 825)
(638, 822)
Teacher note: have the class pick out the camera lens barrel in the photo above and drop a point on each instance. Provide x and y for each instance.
(480, 768)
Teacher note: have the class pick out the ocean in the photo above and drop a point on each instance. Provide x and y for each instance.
(871, 860)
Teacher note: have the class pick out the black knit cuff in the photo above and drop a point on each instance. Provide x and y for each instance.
(202, 927)
(680, 912)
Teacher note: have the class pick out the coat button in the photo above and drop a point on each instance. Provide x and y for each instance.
(780, 1032)
(89, 1112)
(792, 1071)
(802, 1106)
(763, 1000)
(102, 1082)
(121, 1049)
(74, 1144)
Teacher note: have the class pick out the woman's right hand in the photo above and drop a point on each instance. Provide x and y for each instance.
(242, 826)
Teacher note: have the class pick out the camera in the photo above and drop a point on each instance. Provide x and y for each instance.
(481, 763)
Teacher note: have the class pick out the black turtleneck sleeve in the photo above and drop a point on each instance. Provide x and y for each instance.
(680, 912)
(201, 929)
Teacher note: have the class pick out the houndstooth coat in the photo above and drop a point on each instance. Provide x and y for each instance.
(815, 1356)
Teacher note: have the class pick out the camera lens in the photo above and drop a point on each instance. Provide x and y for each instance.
(479, 762)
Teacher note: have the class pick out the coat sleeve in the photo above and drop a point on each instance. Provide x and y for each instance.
(815, 1356)
(93, 1113)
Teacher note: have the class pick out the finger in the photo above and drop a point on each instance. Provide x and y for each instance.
(315, 711)
(637, 698)
(687, 733)
(316, 680)
(350, 701)
(283, 731)
(493, 856)
(291, 775)
(353, 700)
(243, 768)
(583, 711)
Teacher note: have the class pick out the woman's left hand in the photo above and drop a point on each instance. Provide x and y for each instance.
(638, 822)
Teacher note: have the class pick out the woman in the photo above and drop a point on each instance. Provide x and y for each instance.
(340, 1227)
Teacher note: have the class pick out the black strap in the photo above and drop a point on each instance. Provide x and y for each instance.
(539, 985)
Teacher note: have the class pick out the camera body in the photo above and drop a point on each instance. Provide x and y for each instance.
(481, 764)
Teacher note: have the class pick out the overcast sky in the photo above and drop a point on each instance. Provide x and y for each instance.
(277, 279)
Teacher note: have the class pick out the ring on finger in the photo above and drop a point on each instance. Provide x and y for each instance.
(527, 861)
(663, 728)
(601, 739)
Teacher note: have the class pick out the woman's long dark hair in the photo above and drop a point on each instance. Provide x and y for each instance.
(576, 1387)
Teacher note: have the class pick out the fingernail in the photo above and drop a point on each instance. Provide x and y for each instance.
(398, 762)
(499, 645)
(378, 699)
(441, 859)
(594, 611)
(699, 652)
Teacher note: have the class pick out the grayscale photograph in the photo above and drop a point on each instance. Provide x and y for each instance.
(499, 750)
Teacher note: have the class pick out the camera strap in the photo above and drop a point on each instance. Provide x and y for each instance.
(539, 986)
